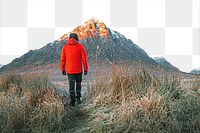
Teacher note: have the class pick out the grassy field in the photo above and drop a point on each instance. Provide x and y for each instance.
(29, 104)
(116, 102)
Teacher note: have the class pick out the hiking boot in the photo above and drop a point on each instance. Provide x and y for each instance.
(78, 100)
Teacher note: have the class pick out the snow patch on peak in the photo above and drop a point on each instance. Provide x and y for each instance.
(1, 65)
(159, 58)
(114, 34)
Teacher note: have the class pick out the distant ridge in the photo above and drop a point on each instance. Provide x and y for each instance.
(196, 71)
(163, 62)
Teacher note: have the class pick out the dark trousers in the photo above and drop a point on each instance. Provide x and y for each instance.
(75, 79)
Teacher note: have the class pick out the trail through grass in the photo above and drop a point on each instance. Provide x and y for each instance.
(80, 119)
(116, 102)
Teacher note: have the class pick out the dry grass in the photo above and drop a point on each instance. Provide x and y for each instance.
(140, 102)
(29, 104)
(118, 101)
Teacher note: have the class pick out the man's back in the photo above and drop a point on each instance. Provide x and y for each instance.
(73, 56)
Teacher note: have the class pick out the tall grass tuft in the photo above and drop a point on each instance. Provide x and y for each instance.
(140, 102)
(29, 104)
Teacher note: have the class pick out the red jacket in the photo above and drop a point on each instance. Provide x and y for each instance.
(73, 56)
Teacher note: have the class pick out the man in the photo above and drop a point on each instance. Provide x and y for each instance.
(73, 57)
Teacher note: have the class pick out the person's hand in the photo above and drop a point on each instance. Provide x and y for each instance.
(85, 72)
(63, 72)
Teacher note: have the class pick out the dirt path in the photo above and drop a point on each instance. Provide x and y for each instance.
(80, 121)
(81, 112)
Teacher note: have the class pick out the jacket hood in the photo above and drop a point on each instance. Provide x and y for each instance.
(72, 41)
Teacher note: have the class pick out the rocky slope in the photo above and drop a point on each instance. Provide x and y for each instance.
(163, 62)
(101, 43)
(195, 71)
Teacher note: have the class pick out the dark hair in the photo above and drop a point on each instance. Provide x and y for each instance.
(73, 35)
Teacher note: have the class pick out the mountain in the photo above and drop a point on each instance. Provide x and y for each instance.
(102, 45)
(163, 62)
(102, 42)
(1, 65)
(195, 71)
